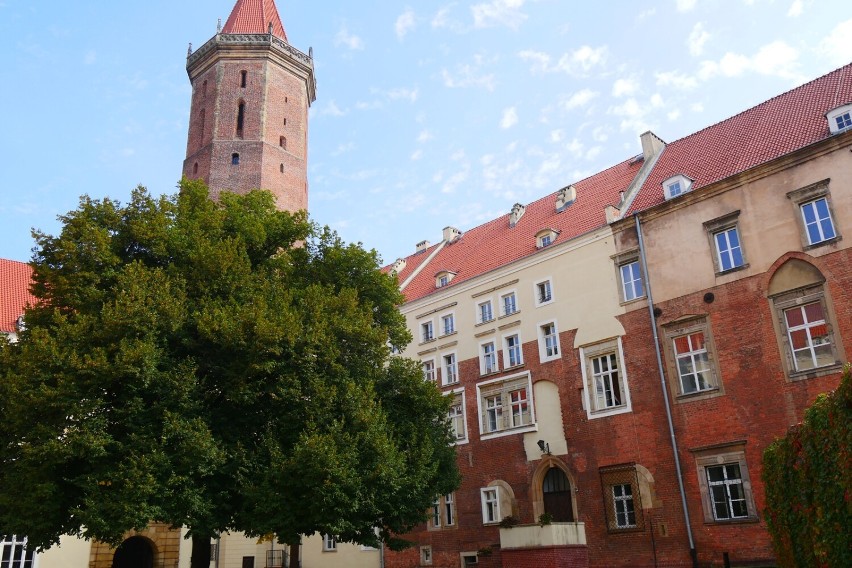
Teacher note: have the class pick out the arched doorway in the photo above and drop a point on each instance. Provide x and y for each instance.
(135, 552)
(556, 490)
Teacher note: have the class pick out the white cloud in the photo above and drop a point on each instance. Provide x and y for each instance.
(401, 93)
(458, 155)
(696, 107)
(557, 135)
(458, 178)
(424, 136)
(578, 99)
(599, 134)
(510, 118)
(331, 109)
(777, 59)
(416, 155)
(467, 76)
(676, 80)
(578, 62)
(656, 100)
(697, 38)
(633, 116)
(343, 148)
(796, 9)
(685, 5)
(498, 12)
(404, 23)
(625, 87)
(837, 45)
(348, 40)
(673, 114)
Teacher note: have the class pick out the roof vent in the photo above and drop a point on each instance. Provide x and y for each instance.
(565, 197)
(398, 265)
(421, 246)
(451, 234)
(516, 214)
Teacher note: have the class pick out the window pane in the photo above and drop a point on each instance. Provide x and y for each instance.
(794, 317)
(813, 312)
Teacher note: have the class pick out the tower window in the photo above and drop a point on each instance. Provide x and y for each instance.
(204, 89)
(235, 159)
(241, 111)
(285, 122)
(282, 141)
(195, 168)
(243, 79)
(201, 127)
(282, 168)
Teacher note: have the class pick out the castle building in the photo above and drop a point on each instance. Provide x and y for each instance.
(620, 353)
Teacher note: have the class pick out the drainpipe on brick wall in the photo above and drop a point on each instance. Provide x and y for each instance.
(692, 552)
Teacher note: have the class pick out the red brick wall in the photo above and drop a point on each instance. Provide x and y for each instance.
(546, 557)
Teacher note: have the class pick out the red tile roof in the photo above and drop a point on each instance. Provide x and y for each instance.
(14, 292)
(253, 17)
(781, 125)
(495, 243)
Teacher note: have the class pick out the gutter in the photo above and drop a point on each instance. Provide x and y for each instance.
(678, 470)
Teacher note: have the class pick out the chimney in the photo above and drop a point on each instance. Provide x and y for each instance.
(421, 246)
(565, 197)
(398, 265)
(651, 145)
(451, 234)
(516, 214)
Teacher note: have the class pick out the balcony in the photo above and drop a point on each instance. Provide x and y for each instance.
(535, 536)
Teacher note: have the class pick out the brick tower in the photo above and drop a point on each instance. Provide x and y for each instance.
(251, 91)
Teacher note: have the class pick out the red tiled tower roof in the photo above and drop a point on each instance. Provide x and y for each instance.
(15, 278)
(254, 17)
(776, 127)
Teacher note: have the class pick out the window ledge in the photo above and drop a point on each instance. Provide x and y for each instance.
(452, 333)
(516, 312)
(454, 383)
(604, 412)
(826, 242)
(489, 374)
(734, 269)
(633, 301)
(700, 395)
(484, 322)
(550, 359)
(745, 521)
(510, 431)
(428, 341)
(513, 367)
(544, 303)
(814, 373)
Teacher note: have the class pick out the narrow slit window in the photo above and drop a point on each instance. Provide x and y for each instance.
(282, 141)
(243, 79)
(235, 159)
(241, 112)
(195, 168)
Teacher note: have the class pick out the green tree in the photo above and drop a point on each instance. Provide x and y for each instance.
(219, 366)
(808, 478)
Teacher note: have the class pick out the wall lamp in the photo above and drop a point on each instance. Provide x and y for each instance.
(544, 447)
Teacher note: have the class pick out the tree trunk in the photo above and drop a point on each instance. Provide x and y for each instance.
(294, 556)
(200, 552)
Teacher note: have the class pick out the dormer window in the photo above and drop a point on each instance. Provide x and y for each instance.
(443, 278)
(545, 237)
(677, 185)
(840, 119)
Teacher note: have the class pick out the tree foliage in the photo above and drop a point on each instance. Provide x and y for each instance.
(220, 366)
(808, 478)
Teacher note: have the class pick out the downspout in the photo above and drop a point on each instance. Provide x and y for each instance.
(692, 552)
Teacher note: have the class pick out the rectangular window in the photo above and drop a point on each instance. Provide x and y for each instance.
(817, 219)
(490, 505)
(545, 240)
(509, 303)
(548, 342)
(631, 281)
(488, 363)
(693, 363)
(622, 497)
(505, 404)
(427, 331)
(728, 249)
(429, 370)
(448, 324)
(513, 356)
(451, 374)
(485, 312)
(449, 509)
(456, 417)
(693, 369)
(426, 555)
(435, 513)
(15, 553)
(808, 336)
(543, 292)
(442, 513)
(605, 379)
(725, 484)
(329, 543)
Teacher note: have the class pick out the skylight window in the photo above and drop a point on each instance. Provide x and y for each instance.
(676, 185)
(840, 119)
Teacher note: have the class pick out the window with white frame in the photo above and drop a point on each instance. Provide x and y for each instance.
(725, 241)
(622, 497)
(15, 553)
(543, 292)
(512, 352)
(448, 324)
(490, 497)
(808, 337)
(548, 341)
(506, 405)
(451, 372)
(816, 220)
(632, 286)
(484, 312)
(426, 555)
(488, 358)
(456, 417)
(442, 513)
(427, 331)
(605, 379)
(329, 543)
(429, 370)
(443, 278)
(508, 303)
(725, 484)
(435, 513)
(691, 358)
(449, 509)
(676, 185)
(545, 237)
(840, 119)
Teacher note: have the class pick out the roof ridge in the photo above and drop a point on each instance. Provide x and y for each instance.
(763, 103)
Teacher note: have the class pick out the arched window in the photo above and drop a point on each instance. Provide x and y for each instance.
(557, 495)
(241, 112)
(282, 141)
(282, 168)
(195, 168)
(243, 79)
(235, 159)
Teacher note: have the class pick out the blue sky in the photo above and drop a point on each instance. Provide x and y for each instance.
(428, 114)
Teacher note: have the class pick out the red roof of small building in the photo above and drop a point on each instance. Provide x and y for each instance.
(15, 278)
(781, 125)
(254, 17)
(496, 244)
